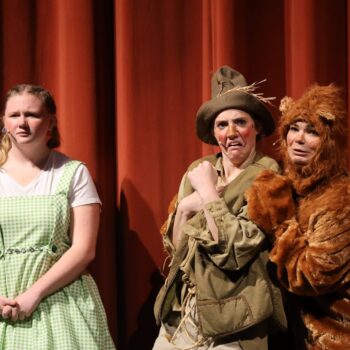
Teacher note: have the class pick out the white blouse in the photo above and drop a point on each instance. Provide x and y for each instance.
(82, 190)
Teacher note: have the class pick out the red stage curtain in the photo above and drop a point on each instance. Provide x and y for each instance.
(129, 76)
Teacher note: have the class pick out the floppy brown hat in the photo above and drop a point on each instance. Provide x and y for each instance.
(229, 89)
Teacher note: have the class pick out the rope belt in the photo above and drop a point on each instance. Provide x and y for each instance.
(188, 326)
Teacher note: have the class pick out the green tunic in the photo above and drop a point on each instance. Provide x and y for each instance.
(33, 236)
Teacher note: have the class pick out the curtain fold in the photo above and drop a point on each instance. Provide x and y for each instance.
(300, 45)
(129, 76)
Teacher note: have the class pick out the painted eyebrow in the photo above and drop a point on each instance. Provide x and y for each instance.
(217, 122)
(310, 128)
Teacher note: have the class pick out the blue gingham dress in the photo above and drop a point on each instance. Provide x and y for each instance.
(34, 234)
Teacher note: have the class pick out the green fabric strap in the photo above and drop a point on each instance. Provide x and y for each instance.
(66, 178)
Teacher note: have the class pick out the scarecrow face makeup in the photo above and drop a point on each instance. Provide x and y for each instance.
(235, 132)
(302, 142)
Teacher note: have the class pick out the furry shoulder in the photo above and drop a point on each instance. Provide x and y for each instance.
(333, 197)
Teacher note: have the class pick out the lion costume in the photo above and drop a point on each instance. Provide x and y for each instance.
(306, 212)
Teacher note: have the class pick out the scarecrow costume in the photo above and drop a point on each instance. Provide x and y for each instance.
(220, 292)
(306, 212)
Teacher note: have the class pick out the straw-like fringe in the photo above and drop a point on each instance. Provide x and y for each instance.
(285, 104)
(193, 341)
(249, 89)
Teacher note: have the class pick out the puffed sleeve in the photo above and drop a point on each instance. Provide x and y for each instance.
(316, 261)
(239, 238)
(82, 190)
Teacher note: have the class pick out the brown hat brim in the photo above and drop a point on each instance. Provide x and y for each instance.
(235, 100)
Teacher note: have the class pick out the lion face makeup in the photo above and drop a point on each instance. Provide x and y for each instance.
(321, 108)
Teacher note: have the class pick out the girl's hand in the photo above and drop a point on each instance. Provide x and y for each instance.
(8, 307)
(27, 303)
(10, 312)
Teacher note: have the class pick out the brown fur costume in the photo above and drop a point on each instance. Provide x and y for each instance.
(307, 211)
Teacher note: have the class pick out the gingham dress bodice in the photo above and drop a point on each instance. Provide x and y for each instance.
(34, 234)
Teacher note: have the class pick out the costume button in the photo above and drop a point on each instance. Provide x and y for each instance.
(54, 248)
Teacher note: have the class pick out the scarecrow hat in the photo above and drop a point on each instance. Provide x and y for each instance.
(229, 89)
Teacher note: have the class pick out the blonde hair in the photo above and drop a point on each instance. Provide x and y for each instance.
(5, 146)
(48, 102)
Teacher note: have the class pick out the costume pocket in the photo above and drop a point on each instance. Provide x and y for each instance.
(235, 304)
